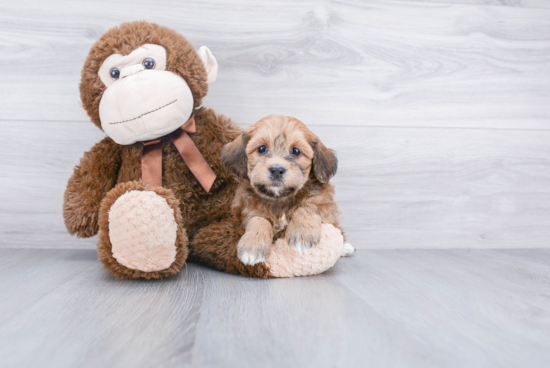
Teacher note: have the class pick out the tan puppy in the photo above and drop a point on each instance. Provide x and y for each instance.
(284, 172)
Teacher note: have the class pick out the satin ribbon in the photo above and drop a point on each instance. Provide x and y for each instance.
(151, 158)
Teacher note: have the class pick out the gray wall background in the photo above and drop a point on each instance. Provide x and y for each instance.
(439, 110)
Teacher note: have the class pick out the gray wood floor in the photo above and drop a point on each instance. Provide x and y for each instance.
(379, 308)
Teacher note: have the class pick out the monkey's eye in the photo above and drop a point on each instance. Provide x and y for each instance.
(115, 73)
(295, 152)
(262, 149)
(149, 63)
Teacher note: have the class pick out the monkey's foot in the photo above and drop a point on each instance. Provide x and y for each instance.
(141, 233)
(143, 230)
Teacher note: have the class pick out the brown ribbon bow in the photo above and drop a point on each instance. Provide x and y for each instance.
(151, 159)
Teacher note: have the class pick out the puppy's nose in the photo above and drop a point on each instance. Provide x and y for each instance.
(277, 171)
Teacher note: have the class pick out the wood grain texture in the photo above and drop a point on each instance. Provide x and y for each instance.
(94, 320)
(301, 322)
(438, 109)
(396, 187)
(376, 63)
(511, 3)
(443, 188)
(467, 305)
(42, 156)
(383, 308)
(37, 273)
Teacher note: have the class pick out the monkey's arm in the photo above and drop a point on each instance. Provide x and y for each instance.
(92, 179)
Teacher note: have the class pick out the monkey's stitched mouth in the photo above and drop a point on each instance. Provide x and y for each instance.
(146, 113)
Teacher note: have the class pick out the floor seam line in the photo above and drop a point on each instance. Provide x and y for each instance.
(67, 279)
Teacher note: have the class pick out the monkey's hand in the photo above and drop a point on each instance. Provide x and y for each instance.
(255, 245)
(303, 232)
(91, 180)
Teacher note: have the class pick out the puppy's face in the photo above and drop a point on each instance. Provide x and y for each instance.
(277, 155)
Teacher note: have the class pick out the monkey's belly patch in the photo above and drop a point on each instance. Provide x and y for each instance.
(286, 262)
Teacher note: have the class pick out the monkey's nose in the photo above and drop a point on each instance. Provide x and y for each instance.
(132, 69)
(277, 171)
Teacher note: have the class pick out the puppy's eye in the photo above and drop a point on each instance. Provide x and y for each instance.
(262, 149)
(149, 63)
(115, 73)
(295, 152)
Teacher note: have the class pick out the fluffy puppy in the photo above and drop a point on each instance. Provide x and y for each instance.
(284, 172)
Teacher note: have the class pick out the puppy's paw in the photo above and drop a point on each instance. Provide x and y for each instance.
(303, 238)
(251, 258)
(252, 249)
(347, 250)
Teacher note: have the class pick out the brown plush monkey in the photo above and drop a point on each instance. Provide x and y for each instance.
(156, 182)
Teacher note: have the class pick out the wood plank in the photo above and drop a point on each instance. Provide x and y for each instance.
(383, 308)
(479, 308)
(301, 322)
(27, 275)
(396, 187)
(375, 63)
(94, 320)
(42, 156)
(512, 3)
(442, 188)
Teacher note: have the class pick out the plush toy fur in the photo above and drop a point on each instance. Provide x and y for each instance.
(206, 231)
(285, 262)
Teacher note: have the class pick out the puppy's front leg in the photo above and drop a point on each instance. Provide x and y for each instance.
(255, 245)
(304, 229)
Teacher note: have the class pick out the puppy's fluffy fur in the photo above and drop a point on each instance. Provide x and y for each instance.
(284, 172)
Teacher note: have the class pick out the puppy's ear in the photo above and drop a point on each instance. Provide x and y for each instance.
(325, 162)
(233, 156)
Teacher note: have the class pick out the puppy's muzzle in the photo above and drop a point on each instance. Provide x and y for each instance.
(277, 172)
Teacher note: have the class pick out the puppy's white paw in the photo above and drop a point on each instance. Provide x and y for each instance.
(303, 235)
(303, 245)
(251, 258)
(298, 247)
(347, 250)
(254, 248)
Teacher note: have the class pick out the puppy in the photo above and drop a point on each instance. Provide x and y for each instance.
(284, 172)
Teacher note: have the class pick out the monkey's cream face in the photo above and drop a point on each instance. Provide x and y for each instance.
(143, 99)
(279, 157)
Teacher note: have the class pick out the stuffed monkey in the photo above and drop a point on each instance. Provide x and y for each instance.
(157, 179)
(154, 189)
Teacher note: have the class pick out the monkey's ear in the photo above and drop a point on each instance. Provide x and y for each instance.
(233, 156)
(209, 62)
(325, 162)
